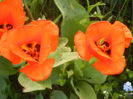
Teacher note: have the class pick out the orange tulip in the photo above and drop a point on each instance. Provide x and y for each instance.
(11, 15)
(107, 43)
(33, 43)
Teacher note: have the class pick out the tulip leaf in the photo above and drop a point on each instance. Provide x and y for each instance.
(6, 67)
(30, 85)
(85, 71)
(92, 75)
(83, 90)
(57, 94)
(74, 18)
(63, 54)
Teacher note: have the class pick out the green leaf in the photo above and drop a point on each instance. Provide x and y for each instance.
(35, 8)
(78, 65)
(4, 85)
(90, 7)
(58, 18)
(132, 41)
(84, 90)
(70, 73)
(74, 18)
(63, 54)
(30, 85)
(92, 75)
(57, 94)
(73, 96)
(6, 67)
(39, 96)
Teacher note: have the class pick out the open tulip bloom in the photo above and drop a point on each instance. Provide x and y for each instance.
(107, 43)
(11, 15)
(33, 43)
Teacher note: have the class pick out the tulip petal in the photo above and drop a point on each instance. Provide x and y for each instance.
(117, 42)
(50, 37)
(80, 44)
(95, 32)
(110, 67)
(39, 72)
(127, 32)
(25, 34)
(12, 12)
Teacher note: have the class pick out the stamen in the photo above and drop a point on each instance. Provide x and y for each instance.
(6, 26)
(32, 49)
(103, 46)
(1, 26)
(9, 26)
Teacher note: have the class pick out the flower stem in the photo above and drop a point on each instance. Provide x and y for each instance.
(28, 10)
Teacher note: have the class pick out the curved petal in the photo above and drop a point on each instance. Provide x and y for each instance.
(18, 36)
(117, 42)
(98, 30)
(50, 37)
(12, 12)
(6, 52)
(110, 67)
(94, 33)
(39, 72)
(80, 44)
(127, 32)
(51, 29)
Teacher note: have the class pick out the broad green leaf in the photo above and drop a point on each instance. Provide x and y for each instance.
(66, 57)
(6, 67)
(92, 75)
(78, 65)
(83, 90)
(30, 85)
(57, 94)
(63, 54)
(74, 18)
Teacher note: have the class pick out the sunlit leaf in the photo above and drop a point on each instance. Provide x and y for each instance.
(30, 85)
(63, 54)
(74, 18)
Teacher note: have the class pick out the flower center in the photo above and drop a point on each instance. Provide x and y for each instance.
(103, 46)
(6, 27)
(32, 49)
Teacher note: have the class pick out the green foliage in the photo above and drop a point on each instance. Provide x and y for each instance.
(71, 78)
(56, 94)
(6, 67)
(30, 85)
(83, 90)
(74, 18)
(63, 54)
(3, 88)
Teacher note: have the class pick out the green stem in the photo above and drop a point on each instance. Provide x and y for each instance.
(125, 8)
(88, 4)
(121, 9)
(28, 10)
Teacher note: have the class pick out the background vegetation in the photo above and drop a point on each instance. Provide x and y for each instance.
(67, 17)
